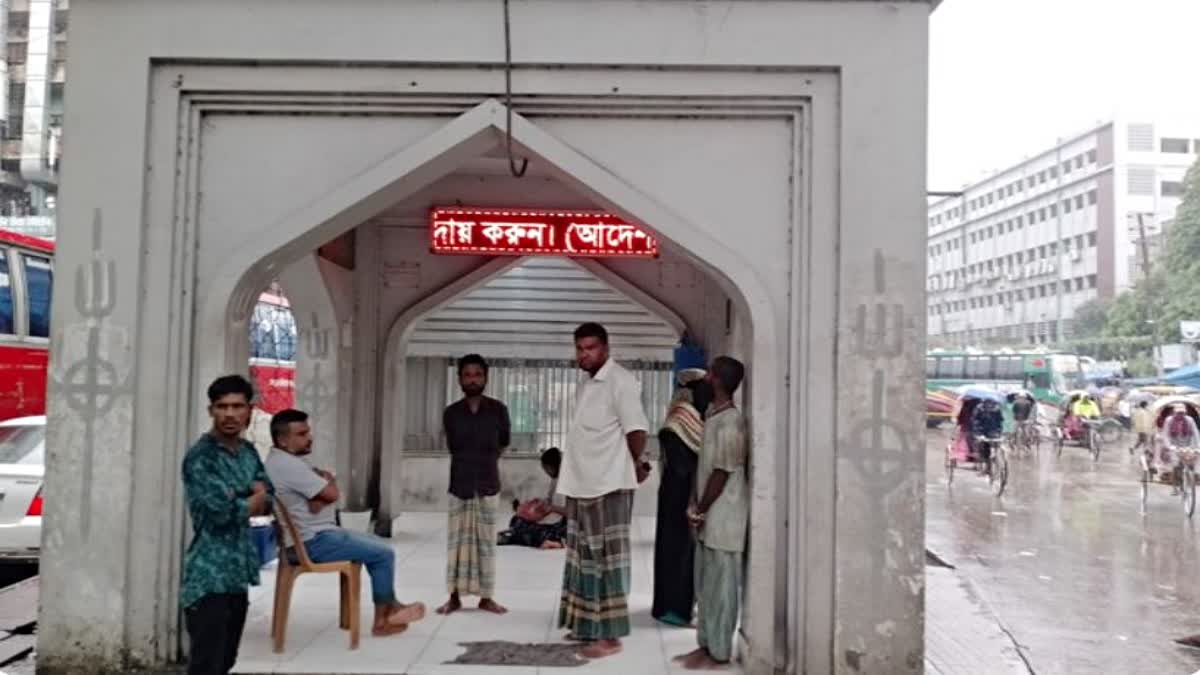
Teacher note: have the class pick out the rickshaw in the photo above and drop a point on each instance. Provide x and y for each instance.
(1026, 435)
(961, 451)
(1171, 466)
(1086, 433)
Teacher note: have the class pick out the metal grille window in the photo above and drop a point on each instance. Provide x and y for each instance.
(1174, 145)
(540, 396)
(1141, 137)
(1141, 180)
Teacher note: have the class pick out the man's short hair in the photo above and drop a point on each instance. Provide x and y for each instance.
(230, 384)
(552, 458)
(592, 330)
(729, 372)
(281, 422)
(472, 360)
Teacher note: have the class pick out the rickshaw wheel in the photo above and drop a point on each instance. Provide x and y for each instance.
(1145, 461)
(1188, 487)
(1094, 444)
(999, 473)
(1060, 440)
(950, 464)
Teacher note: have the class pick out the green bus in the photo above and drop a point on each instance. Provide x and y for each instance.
(1048, 376)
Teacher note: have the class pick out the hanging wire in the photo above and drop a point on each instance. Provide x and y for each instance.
(517, 171)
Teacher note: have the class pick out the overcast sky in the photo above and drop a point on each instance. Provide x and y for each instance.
(1009, 77)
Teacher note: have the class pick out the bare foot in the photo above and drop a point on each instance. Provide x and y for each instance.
(706, 662)
(386, 629)
(600, 649)
(695, 653)
(490, 605)
(452, 605)
(407, 614)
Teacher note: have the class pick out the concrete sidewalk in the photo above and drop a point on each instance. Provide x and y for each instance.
(962, 634)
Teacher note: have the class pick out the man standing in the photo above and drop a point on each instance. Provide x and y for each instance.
(720, 516)
(225, 485)
(310, 495)
(477, 431)
(601, 467)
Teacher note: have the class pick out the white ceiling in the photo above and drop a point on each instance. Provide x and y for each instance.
(531, 311)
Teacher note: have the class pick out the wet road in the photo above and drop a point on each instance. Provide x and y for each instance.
(1083, 580)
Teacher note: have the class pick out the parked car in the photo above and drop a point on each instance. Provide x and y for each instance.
(22, 465)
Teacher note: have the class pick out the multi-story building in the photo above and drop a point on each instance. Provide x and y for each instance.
(32, 74)
(1013, 256)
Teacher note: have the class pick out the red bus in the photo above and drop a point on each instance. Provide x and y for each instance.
(26, 287)
(26, 283)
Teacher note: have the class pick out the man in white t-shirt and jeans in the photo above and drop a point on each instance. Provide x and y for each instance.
(310, 495)
(601, 467)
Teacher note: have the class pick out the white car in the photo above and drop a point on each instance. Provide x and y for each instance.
(22, 465)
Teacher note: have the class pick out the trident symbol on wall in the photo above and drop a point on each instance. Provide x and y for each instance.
(91, 384)
(316, 392)
(876, 446)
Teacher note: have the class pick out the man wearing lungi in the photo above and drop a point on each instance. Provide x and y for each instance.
(477, 431)
(720, 514)
(601, 467)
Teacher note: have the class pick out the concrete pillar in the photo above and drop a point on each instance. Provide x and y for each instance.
(319, 293)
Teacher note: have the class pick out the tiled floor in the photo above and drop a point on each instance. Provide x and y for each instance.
(527, 583)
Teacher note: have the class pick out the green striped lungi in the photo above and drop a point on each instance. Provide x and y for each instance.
(595, 589)
(471, 546)
(718, 586)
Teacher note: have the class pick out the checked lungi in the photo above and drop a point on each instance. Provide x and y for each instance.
(471, 546)
(595, 590)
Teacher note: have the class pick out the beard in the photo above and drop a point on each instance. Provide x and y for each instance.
(472, 389)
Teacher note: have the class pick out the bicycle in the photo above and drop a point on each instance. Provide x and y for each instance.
(1027, 439)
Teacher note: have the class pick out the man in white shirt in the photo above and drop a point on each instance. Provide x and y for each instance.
(310, 496)
(601, 467)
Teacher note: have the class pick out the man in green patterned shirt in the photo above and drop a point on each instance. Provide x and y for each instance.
(225, 484)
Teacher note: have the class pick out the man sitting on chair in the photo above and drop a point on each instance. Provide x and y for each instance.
(310, 495)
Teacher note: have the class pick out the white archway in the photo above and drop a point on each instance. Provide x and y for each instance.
(439, 154)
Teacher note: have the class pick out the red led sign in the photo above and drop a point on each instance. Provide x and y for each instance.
(579, 234)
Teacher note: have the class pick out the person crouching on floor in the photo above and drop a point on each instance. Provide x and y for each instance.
(539, 523)
(310, 496)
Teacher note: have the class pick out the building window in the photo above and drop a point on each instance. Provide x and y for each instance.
(1171, 188)
(1079, 284)
(1066, 206)
(1020, 222)
(972, 237)
(1053, 210)
(1066, 167)
(1079, 242)
(1041, 177)
(1091, 156)
(1054, 249)
(1176, 145)
(1066, 284)
(1091, 239)
(1079, 202)
(1020, 255)
(1041, 252)
(1078, 161)
(1041, 215)
(1030, 181)
(1141, 180)
(1091, 281)
(990, 198)
(1053, 172)
(1091, 197)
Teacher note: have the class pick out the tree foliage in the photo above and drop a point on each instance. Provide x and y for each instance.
(1171, 293)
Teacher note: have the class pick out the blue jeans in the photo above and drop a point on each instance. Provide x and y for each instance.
(374, 553)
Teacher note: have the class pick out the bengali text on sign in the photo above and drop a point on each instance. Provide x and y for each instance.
(583, 234)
